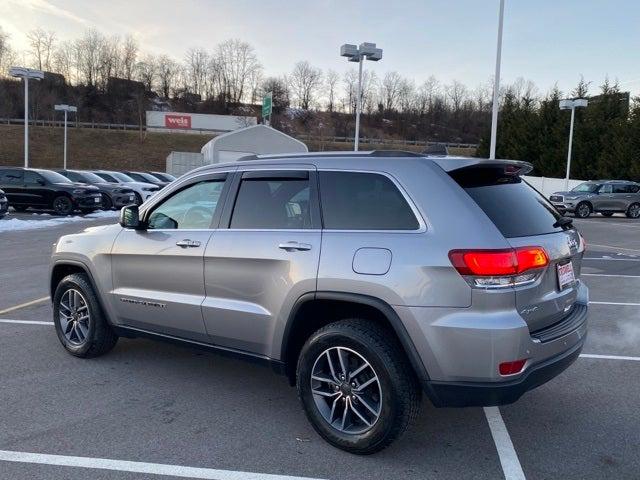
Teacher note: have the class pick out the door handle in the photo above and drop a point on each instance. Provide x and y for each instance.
(294, 246)
(186, 243)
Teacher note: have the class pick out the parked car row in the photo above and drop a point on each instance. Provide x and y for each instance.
(68, 191)
(603, 196)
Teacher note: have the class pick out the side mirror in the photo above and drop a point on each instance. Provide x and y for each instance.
(130, 217)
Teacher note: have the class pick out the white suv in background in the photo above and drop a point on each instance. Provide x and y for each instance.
(142, 190)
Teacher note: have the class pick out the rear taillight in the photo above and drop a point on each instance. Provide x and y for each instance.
(499, 268)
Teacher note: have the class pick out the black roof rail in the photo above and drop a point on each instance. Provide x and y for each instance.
(394, 153)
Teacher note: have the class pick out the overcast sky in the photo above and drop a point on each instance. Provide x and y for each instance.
(545, 41)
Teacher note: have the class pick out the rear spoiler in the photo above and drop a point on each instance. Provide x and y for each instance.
(511, 167)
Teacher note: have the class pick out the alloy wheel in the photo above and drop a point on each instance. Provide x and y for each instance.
(634, 210)
(74, 316)
(583, 210)
(346, 390)
(62, 206)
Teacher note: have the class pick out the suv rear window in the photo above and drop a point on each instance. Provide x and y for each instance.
(363, 201)
(514, 206)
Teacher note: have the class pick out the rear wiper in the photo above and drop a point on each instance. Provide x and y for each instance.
(564, 223)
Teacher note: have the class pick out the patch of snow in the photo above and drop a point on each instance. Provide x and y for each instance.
(16, 224)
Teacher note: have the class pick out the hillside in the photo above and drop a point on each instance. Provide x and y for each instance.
(118, 149)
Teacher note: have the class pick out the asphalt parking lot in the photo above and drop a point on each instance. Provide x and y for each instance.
(150, 410)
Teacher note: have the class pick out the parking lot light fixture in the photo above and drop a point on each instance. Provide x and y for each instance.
(353, 53)
(66, 109)
(26, 74)
(569, 104)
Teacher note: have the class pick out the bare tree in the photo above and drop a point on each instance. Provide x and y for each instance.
(390, 90)
(350, 80)
(457, 93)
(279, 89)
(239, 68)
(197, 60)
(426, 95)
(88, 55)
(167, 71)
(305, 81)
(41, 47)
(407, 95)
(370, 86)
(129, 55)
(7, 55)
(146, 71)
(331, 81)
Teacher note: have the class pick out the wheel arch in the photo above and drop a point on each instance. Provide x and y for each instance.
(316, 309)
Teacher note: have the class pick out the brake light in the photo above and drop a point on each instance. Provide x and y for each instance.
(498, 263)
(510, 368)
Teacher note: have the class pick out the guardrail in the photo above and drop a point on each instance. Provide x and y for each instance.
(203, 131)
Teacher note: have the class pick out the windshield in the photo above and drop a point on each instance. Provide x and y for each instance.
(121, 177)
(164, 176)
(53, 177)
(585, 187)
(148, 177)
(91, 177)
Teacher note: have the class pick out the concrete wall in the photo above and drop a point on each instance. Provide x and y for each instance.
(179, 163)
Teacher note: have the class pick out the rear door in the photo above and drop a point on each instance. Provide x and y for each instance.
(11, 181)
(35, 190)
(623, 195)
(527, 219)
(263, 258)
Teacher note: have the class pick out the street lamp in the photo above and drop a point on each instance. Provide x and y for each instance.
(571, 105)
(496, 85)
(26, 74)
(354, 53)
(66, 109)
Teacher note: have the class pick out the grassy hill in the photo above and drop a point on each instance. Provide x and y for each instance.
(118, 149)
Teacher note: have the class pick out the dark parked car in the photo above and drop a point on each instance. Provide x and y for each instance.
(166, 177)
(31, 187)
(4, 204)
(603, 196)
(114, 195)
(146, 177)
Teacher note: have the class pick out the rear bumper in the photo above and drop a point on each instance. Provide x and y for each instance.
(476, 394)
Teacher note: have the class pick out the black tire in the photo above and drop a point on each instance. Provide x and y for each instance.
(100, 337)
(606, 214)
(107, 203)
(400, 393)
(633, 211)
(62, 205)
(19, 208)
(583, 210)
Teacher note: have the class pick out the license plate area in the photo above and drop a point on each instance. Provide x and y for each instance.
(566, 276)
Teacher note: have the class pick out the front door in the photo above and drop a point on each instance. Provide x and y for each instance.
(262, 259)
(158, 271)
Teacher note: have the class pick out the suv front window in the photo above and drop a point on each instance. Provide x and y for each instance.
(190, 208)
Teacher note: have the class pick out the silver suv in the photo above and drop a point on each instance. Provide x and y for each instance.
(605, 196)
(366, 278)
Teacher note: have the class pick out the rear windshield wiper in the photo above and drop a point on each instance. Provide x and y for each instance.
(564, 223)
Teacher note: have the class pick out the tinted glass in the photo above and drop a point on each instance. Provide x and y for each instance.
(624, 188)
(121, 177)
(585, 187)
(192, 207)
(515, 207)
(73, 176)
(605, 189)
(11, 177)
(634, 188)
(89, 177)
(164, 176)
(53, 177)
(137, 177)
(32, 178)
(363, 201)
(272, 203)
(107, 177)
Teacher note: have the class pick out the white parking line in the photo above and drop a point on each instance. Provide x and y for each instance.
(607, 275)
(609, 259)
(23, 305)
(138, 467)
(609, 357)
(624, 304)
(506, 453)
(25, 322)
(614, 247)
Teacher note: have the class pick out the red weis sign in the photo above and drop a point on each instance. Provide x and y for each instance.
(177, 121)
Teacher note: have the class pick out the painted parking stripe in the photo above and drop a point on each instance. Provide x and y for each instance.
(23, 305)
(507, 454)
(614, 247)
(609, 357)
(609, 259)
(624, 304)
(24, 322)
(607, 275)
(138, 467)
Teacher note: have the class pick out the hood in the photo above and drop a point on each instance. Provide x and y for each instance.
(573, 194)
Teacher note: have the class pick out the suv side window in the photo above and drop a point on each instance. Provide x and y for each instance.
(363, 201)
(624, 188)
(32, 179)
(606, 189)
(634, 188)
(10, 177)
(273, 200)
(74, 176)
(190, 208)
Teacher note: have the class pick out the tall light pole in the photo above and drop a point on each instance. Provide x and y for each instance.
(26, 74)
(496, 85)
(66, 109)
(354, 53)
(571, 105)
